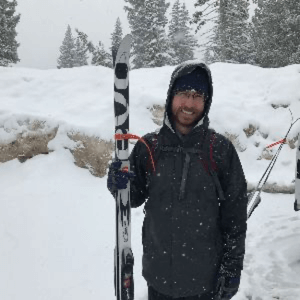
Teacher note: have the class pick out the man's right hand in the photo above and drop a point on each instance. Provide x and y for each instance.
(227, 287)
(117, 179)
(296, 206)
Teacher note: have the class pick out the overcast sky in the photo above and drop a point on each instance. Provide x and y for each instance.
(43, 25)
(44, 22)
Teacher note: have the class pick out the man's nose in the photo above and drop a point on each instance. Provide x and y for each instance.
(189, 102)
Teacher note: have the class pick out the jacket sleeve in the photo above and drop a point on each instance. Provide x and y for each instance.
(233, 213)
(138, 184)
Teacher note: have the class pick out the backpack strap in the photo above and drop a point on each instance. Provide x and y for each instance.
(153, 151)
(212, 166)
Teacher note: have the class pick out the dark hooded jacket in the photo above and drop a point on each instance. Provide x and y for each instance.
(189, 239)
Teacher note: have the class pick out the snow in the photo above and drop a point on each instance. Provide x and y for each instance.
(57, 220)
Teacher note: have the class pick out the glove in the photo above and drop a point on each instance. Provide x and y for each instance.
(227, 287)
(296, 206)
(117, 179)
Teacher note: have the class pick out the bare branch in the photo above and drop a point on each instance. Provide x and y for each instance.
(210, 36)
(213, 18)
(208, 13)
(209, 42)
(203, 50)
(209, 5)
(204, 33)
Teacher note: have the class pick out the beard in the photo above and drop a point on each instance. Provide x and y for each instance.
(182, 116)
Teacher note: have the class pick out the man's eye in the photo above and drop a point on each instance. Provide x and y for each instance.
(198, 95)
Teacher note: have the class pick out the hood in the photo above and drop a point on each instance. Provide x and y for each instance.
(181, 70)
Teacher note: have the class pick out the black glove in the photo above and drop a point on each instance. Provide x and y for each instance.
(227, 287)
(296, 206)
(117, 179)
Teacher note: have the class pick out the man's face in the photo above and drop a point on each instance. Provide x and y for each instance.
(187, 108)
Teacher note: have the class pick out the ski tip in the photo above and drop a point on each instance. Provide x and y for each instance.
(126, 42)
(127, 38)
(124, 50)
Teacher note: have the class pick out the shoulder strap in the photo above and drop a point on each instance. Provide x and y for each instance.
(152, 141)
(212, 166)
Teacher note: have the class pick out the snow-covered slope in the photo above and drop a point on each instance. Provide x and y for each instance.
(245, 97)
(57, 220)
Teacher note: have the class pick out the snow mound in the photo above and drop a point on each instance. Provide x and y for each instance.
(251, 106)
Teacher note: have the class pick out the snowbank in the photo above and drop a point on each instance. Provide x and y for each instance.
(250, 106)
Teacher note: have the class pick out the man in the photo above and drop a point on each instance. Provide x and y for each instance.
(195, 192)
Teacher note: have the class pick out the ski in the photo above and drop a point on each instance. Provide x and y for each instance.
(123, 268)
(297, 180)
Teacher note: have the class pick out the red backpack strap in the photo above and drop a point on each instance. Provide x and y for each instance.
(212, 166)
(153, 149)
(152, 145)
(211, 156)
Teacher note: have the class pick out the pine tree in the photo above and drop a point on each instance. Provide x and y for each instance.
(8, 23)
(67, 50)
(147, 20)
(82, 48)
(175, 35)
(189, 42)
(116, 38)
(211, 15)
(80, 56)
(207, 15)
(276, 28)
(136, 17)
(182, 42)
(101, 57)
(156, 42)
(295, 57)
(229, 36)
(233, 31)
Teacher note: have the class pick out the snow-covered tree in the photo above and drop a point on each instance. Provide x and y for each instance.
(147, 20)
(175, 34)
(136, 17)
(67, 51)
(156, 41)
(276, 32)
(101, 57)
(181, 41)
(295, 57)
(83, 37)
(80, 53)
(8, 23)
(233, 31)
(228, 38)
(116, 38)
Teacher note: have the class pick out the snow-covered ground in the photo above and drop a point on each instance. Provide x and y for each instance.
(57, 220)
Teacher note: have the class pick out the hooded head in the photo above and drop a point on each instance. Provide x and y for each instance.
(196, 78)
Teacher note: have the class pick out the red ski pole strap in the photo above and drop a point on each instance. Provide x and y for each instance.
(279, 142)
(127, 136)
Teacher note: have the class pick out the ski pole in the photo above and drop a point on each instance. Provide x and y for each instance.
(254, 197)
